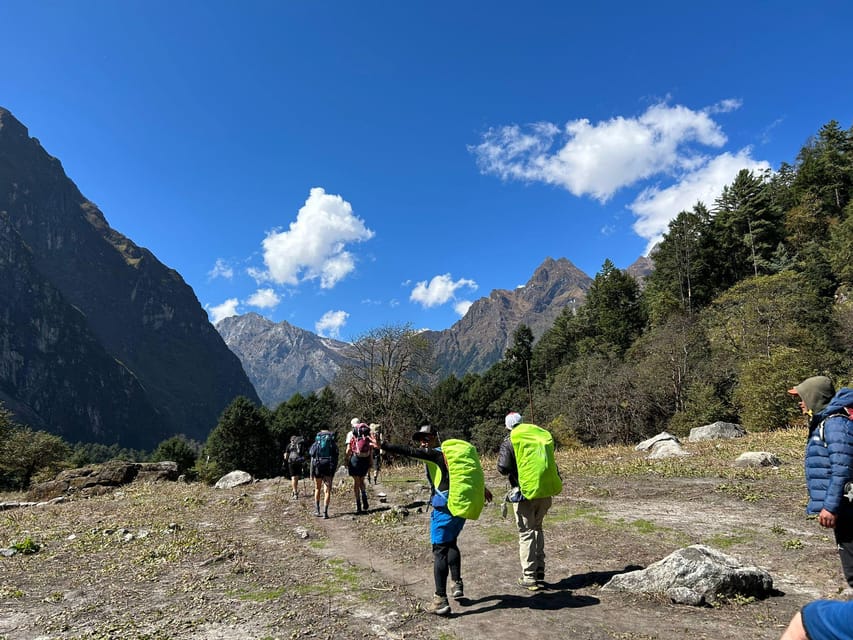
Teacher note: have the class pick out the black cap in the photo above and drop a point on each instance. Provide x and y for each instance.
(425, 430)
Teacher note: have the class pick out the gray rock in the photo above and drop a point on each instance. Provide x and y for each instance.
(706, 572)
(757, 459)
(233, 479)
(716, 431)
(667, 449)
(683, 595)
(649, 444)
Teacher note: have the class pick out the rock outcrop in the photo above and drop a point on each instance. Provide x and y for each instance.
(101, 478)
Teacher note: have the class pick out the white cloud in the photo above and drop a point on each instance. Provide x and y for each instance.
(331, 323)
(440, 290)
(315, 244)
(221, 270)
(224, 310)
(462, 307)
(264, 299)
(596, 160)
(599, 159)
(655, 207)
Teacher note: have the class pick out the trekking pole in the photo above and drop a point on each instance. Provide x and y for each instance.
(530, 391)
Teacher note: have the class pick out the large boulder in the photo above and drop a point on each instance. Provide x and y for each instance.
(233, 479)
(695, 575)
(667, 449)
(648, 445)
(716, 431)
(663, 445)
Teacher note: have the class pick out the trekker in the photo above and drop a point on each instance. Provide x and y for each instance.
(444, 526)
(324, 461)
(359, 457)
(822, 620)
(530, 449)
(294, 459)
(376, 431)
(829, 461)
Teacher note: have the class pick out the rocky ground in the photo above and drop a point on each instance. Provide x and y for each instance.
(178, 561)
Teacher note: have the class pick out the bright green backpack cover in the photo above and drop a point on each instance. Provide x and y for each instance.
(466, 495)
(534, 456)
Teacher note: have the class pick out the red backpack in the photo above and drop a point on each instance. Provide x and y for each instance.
(360, 444)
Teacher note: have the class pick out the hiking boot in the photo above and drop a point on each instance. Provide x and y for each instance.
(458, 590)
(529, 584)
(364, 501)
(326, 515)
(439, 606)
(540, 577)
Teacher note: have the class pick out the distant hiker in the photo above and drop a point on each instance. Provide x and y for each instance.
(822, 620)
(359, 457)
(324, 461)
(458, 492)
(829, 461)
(526, 458)
(294, 459)
(376, 431)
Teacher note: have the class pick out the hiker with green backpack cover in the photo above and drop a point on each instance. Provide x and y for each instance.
(526, 458)
(458, 493)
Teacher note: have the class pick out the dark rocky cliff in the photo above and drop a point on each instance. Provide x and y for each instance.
(138, 333)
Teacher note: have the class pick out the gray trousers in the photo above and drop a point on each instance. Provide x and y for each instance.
(529, 515)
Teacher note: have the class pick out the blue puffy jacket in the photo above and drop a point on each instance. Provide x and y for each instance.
(829, 454)
(828, 620)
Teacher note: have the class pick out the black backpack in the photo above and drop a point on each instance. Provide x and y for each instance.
(296, 451)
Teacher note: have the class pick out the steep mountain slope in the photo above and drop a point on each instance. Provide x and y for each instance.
(281, 359)
(104, 295)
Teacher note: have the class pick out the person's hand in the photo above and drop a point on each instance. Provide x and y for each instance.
(488, 495)
(826, 519)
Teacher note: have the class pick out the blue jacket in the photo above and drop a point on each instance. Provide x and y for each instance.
(828, 620)
(829, 454)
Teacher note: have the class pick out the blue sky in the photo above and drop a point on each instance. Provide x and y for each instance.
(349, 165)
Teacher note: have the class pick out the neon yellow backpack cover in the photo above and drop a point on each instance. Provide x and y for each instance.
(534, 456)
(466, 495)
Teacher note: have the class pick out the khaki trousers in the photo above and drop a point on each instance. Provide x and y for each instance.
(529, 515)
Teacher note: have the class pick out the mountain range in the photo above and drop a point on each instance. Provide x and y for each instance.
(281, 359)
(99, 341)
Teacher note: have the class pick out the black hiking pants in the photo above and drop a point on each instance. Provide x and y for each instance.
(446, 559)
(844, 540)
